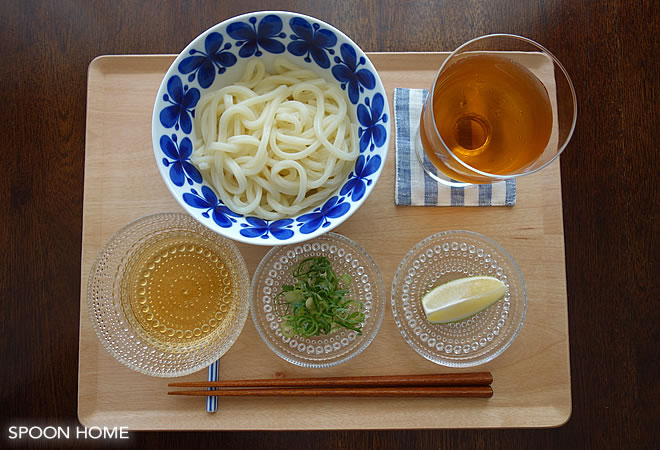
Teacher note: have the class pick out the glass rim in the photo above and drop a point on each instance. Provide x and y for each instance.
(556, 61)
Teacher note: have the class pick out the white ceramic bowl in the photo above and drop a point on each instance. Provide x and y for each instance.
(217, 58)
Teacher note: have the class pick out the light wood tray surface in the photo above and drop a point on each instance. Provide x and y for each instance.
(531, 379)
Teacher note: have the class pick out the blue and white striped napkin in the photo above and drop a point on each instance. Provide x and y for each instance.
(413, 187)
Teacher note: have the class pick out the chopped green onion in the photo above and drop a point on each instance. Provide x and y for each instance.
(315, 305)
(291, 296)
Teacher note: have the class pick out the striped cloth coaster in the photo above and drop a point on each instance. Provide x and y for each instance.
(413, 187)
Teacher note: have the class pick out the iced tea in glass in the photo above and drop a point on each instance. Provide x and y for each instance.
(501, 106)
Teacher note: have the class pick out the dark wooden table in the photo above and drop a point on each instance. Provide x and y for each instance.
(609, 181)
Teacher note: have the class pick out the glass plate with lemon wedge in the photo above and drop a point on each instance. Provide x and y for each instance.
(458, 298)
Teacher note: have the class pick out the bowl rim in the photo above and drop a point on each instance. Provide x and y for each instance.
(298, 236)
(368, 339)
(516, 270)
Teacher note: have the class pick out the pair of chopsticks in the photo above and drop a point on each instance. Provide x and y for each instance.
(471, 385)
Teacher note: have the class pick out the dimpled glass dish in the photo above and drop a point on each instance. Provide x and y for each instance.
(217, 58)
(346, 257)
(444, 257)
(167, 296)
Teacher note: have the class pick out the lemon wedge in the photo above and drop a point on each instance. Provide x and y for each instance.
(459, 299)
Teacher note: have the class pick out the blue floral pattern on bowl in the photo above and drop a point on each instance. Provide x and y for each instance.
(208, 202)
(182, 105)
(370, 114)
(251, 37)
(311, 40)
(217, 58)
(334, 208)
(181, 169)
(353, 78)
(256, 227)
(358, 180)
(204, 64)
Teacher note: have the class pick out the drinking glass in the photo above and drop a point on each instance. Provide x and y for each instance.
(501, 106)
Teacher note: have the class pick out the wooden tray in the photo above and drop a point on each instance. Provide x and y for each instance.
(532, 378)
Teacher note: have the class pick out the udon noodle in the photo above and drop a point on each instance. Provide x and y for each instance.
(275, 145)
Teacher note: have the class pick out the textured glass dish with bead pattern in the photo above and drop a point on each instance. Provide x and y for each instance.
(444, 257)
(167, 296)
(324, 350)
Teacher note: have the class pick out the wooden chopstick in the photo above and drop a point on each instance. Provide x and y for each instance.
(438, 391)
(445, 379)
(474, 385)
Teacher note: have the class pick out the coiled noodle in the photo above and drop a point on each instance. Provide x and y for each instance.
(275, 145)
